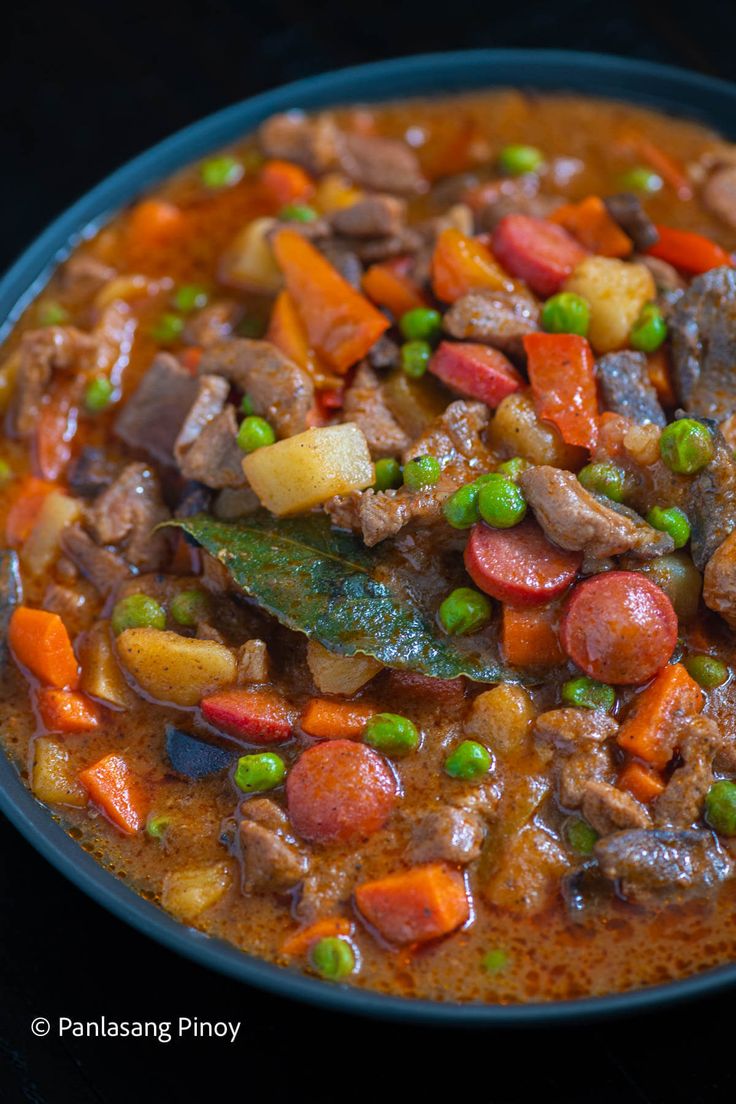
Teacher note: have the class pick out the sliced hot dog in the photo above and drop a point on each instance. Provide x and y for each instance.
(619, 627)
(538, 252)
(475, 371)
(519, 566)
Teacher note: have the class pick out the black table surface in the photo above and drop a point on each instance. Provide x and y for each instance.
(83, 87)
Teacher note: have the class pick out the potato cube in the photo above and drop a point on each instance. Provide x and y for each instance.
(188, 892)
(249, 263)
(300, 472)
(336, 674)
(616, 291)
(173, 668)
(501, 719)
(101, 674)
(53, 779)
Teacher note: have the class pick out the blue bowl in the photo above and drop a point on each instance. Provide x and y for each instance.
(703, 98)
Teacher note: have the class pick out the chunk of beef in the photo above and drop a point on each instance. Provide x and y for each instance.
(625, 208)
(209, 401)
(663, 866)
(215, 458)
(608, 809)
(528, 876)
(325, 889)
(153, 415)
(518, 195)
(83, 275)
(384, 354)
(447, 835)
(498, 318)
(625, 388)
(280, 390)
(703, 332)
(570, 729)
(574, 773)
(372, 250)
(213, 323)
(194, 499)
(90, 472)
(294, 137)
(576, 519)
(235, 502)
(104, 568)
(365, 405)
(681, 803)
(72, 605)
(666, 277)
(376, 216)
(711, 502)
(44, 354)
(719, 581)
(126, 515)
(271, 860)
(584, 892)
(719, 194)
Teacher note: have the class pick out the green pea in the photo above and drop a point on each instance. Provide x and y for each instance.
(332, 957)
(189, 607)
(641, 179)
(649, 330)
(189, 297)
(566, 313)
(255, 433)
(168, 329)
(587, 693)
(671, 520)
(501, 503)
(720, 808)
(52, 313)
(421, 324)
(517, 160)
(6, 472)
(686, 446)
(137, 611)
(422, 472)
(495, 961)
(391, 733)
(98, 395)
(157, 826)
(468, 761)
(513, 468)
(221, 172)
(388, 474)
(580, 836)
(707, 671)
(604, 479)
(415, 356)
(465, 611)
(262, 771)
(246, 405)
(461, 508)
(297, 212)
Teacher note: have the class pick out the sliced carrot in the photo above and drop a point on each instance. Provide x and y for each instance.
(647, 732)
(331, 720)
(301, 941)
(416, 905)
(154, 223)
(40, 642)
(30, 496)
(287, 333)
(529, 636)
(113, 786)
(461, 264)
(340, 323)
(67, 711)
(690, 252)
(590, 222)
(561, 371)
(392, 289)
(641, 781)
(285, 182)
(658, 370)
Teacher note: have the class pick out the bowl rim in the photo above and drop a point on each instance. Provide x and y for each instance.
(679, 92)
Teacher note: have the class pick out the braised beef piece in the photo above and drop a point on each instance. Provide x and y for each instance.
(569, 729)
(584, 891)
(280, 390)
(447, 834)
(703, 332)
(271, 860)
(663, 866)
(719, 193)
(215, 458)
(153, 415)
(209, 401)
(608, 809)
(572, 774)
(681, 803)
(575, 518)
(11, 595)
(83, 275)
(103, 568)
(44, 354)
(90, 472)
(365, 405)
(213, 322)
(373, 250)
(719, 581)
(498, 318)
(625, 388)
(625, 208)
(376, 216)
(126, 515)
(711, 501)
(666, 277)
(384, 353)
(518, 195)
(195, 499)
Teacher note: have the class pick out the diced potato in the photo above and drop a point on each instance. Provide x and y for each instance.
(334, 192)
(302, 471)
(516, 431)
(101, 674)
(188, 892)
(173, 668)
(249, 263)
(53, 780)
(527, 878)
(501, 719)
(414, 403)
(252, 662)
(42, 546)
(336, 674)
(616, 291)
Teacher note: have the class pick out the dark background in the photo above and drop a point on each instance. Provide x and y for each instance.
(83, 86)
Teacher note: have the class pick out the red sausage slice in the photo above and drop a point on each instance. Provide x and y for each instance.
(538, 252)
(258, 716)
(519, 566)
(619, 628)
(475, 371)
(339, 791)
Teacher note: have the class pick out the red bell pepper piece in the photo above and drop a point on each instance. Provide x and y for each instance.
(561, 372)
(688, 251)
